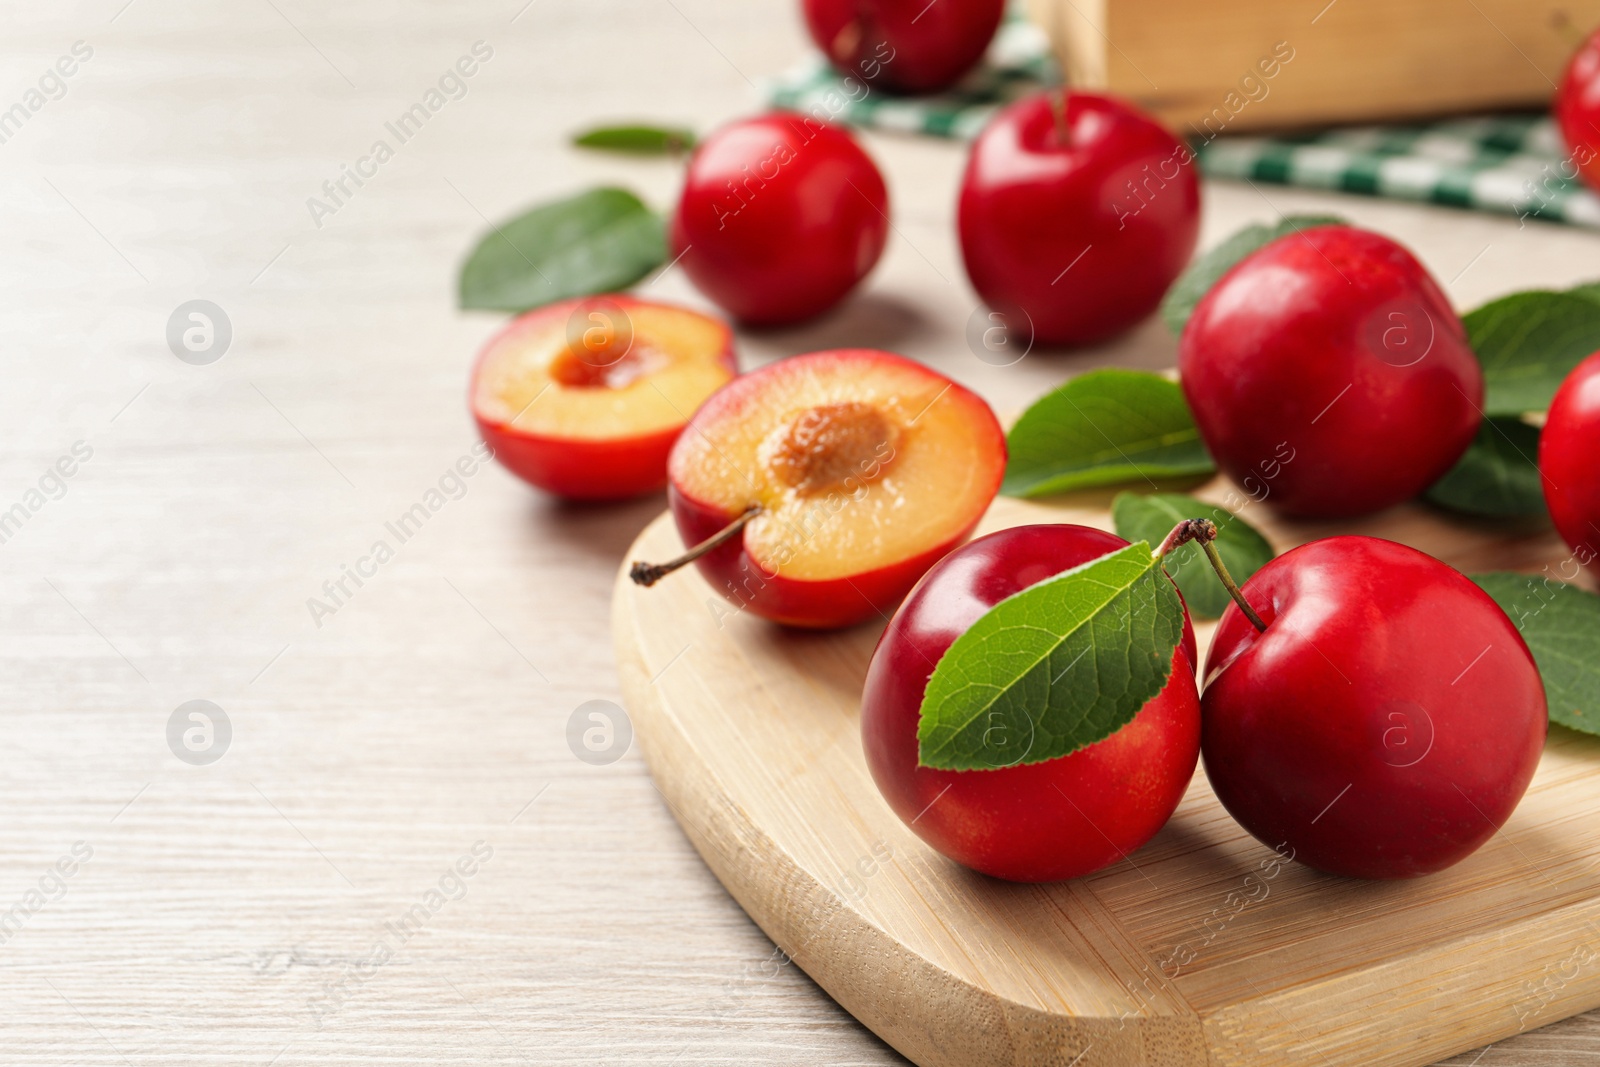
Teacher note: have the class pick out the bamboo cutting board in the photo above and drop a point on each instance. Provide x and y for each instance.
(1202, 948)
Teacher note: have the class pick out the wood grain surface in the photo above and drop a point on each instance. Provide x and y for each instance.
(232, 913)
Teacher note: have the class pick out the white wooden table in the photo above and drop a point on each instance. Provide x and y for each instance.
(274, 905)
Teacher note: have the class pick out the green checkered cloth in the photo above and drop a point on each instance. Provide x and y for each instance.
(1509, 164)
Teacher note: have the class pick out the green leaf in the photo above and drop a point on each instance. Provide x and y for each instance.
(1527, 343)
(1103, 428)
(1053, 668)
(1589, 291)
(1498, 476)
(1243, 550)
(637, 140)
(1561, 624)
(1205, 272)
(599, 241)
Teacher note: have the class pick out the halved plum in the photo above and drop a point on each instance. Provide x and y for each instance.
(584, 398)
(862, 469)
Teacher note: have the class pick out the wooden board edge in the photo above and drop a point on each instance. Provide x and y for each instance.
(929, 1015)
(1537, 987)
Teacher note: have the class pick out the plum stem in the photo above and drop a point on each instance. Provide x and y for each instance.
(1229, 584)
(1203, 532)
(1058, 108)
(648, 574)
(1181, 534)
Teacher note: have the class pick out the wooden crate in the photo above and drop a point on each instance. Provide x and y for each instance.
(1233, 65)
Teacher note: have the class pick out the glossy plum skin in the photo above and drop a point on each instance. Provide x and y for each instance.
(1384, 725)
(903, 46)
(780, 217)
(1569, 457)
(1121, 193)
(810, 605)
(1577, 110)
(1329, 375)
(1037, 822)
(583, 470)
